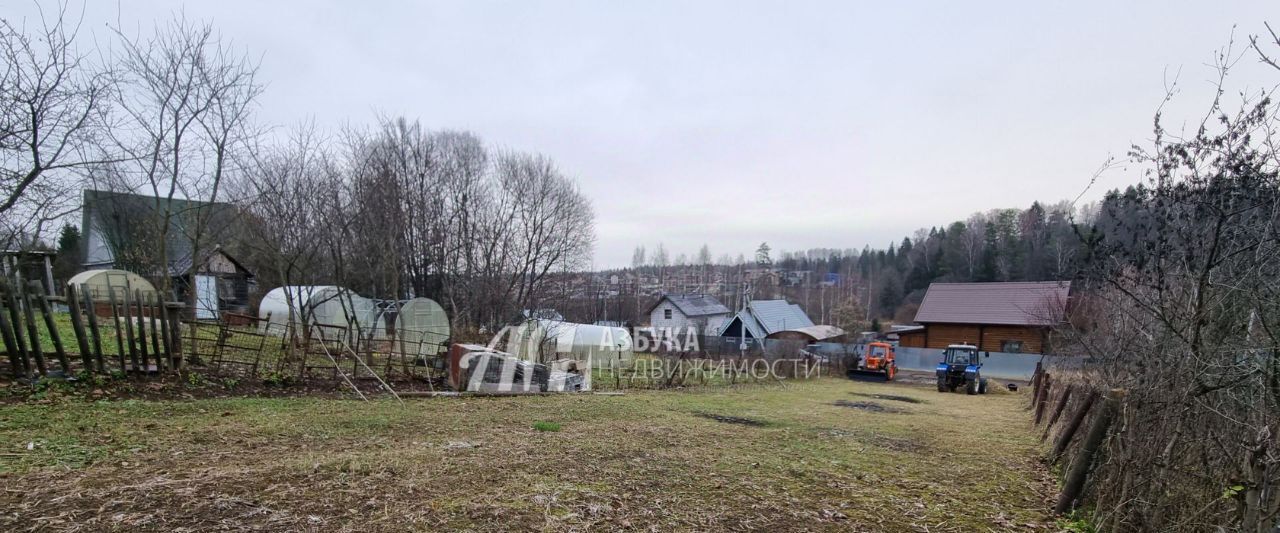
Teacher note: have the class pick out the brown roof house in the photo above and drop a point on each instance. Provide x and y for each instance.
(1013, 317)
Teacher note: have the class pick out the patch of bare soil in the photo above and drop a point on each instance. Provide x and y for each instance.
(868, 406)
(878, 440)
(742, 421)
(890, 397)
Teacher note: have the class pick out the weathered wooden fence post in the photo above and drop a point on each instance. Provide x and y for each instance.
(142, 330)
(128, 332)
(1069, 431)
(15, 320)
(33, 332)
(155, 332)
(115, 320)
(1042, 398)
(16, 364)
(1035, 384)
(163, 310)
(42, 301)
(175, 333)
(91, 308)
(77, 325)
(1057, 411)
(1073, 485)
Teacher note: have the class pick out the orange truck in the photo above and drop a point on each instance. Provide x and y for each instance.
(877, 358)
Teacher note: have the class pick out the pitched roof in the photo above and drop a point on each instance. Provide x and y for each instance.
(123, 221)
(1011, 303)
(820, 333)
(778, 315)
(693, 304)
(762, 318)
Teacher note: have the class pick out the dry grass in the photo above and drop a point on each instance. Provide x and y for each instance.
(646, 460)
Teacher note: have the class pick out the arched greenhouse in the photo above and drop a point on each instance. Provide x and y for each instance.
(328, 309)
(421, 326)
(101, 284)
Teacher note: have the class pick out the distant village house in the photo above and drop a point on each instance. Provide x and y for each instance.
(778, 319)
(681, 311)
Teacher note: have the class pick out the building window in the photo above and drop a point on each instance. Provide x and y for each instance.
(1011, 346)
(666, 314)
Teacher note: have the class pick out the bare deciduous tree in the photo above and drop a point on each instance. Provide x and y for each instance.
(184, 100)
(51, 100)
(1183, 312)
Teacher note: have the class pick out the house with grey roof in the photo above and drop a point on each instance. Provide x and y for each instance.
(679, 312)
(777, 319)
(125, 231)
(1014, 317)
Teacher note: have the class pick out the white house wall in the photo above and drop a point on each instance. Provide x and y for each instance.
(679, 321)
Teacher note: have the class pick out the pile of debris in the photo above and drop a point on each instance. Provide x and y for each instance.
(475, 368)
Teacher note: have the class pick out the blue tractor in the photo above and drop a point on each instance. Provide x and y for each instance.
(961, 366)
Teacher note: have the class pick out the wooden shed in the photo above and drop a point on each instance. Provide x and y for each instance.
(1014, 317)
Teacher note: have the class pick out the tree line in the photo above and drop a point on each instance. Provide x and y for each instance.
(1039, 243)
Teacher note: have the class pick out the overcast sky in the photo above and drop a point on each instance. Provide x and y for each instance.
(804, 124)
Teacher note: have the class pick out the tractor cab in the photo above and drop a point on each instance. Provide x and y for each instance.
(961, 355)
(877, 358)
(961, 366)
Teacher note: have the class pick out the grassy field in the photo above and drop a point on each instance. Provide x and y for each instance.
(826, 454)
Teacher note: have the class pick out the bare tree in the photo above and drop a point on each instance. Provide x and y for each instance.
(185, 100)
(554, 222)
(282, 196)
(1183, 313)
(51, 101)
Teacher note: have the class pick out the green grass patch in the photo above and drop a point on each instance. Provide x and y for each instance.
(546, 426)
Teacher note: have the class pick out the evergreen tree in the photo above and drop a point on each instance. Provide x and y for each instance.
(70, 257)
(762, 256)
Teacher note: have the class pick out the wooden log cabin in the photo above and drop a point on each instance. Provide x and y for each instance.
(1012, 317)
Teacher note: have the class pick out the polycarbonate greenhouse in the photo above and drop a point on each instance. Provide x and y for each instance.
(327, 309)
(421, 326)
(101, 283)
(547, 340)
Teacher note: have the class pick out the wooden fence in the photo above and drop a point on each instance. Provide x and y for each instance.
(1074, 450)
(141, 335)
(135, 334)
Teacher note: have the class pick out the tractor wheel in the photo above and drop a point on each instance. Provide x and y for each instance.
(942, 385)
(889, 372)
(982, 386)
(971, 387)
